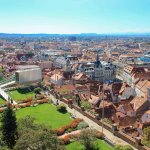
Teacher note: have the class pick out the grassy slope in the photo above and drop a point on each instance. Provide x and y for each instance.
(46, 114)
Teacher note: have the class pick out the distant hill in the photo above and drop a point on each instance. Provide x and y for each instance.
(82, 34)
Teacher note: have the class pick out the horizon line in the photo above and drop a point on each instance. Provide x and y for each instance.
(148, 32)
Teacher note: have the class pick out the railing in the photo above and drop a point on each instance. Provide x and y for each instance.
(8, 79)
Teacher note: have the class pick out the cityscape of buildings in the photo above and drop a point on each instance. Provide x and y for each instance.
(106, 76)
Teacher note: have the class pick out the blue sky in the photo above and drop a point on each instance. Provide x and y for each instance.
(74, 16)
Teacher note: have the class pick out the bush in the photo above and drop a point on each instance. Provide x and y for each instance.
(87, 105)
(66, 140)
(75, 123)
(82, 125)
(72, 125)
(61, 108)
(60, 131)
(37, 90)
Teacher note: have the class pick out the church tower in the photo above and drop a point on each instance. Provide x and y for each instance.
(98, 69)
(67, 66)
(97, 62)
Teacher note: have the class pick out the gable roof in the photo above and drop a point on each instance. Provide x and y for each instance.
(143, 85)
(138, 102)
(56, 77)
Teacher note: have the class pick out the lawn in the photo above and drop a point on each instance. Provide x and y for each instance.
(21, 94)
(2, 101)
(102, 145)
(46, 114)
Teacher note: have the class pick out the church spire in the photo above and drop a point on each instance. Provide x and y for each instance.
(97, 63)
(97, 57)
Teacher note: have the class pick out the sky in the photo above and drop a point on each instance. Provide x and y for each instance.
(74, 16)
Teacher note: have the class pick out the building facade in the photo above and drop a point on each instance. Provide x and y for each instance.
(99, 71)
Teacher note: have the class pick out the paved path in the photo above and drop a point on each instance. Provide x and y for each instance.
(71, 133)
(92, 124)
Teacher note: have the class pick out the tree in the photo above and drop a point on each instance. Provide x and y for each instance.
(3, 144)
(86, 104)
(61, 108)
(34, 136)
(41, 139)
(123, 147)
(146, 137)
(9, 127)
(87, 138)
(78, 100)
(37, 90)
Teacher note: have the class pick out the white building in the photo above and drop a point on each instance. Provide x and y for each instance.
(28, 74)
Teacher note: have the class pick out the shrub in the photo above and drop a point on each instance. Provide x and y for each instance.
(66, 139)
(75, 123)
(87, 105)
(61, 108)
(72, 125)
(60, 131)
(37, 90)
(82, 125)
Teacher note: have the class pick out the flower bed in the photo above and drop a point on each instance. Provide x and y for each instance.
(72, 125)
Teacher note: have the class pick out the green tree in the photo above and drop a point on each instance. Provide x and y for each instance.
(87, 138)
(3, 145)
(146, 137)
(61, 108)
(9, 127)
(37, 90)
(33, 136)
(78, 100)
(87, 105)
